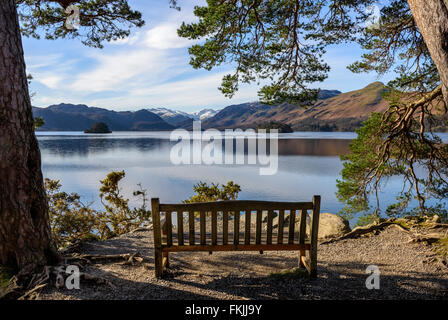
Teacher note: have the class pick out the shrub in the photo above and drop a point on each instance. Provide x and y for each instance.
(72, 220)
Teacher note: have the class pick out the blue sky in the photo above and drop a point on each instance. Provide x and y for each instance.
(151, 68)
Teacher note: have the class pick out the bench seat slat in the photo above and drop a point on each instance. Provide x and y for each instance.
(220, 235)
(236, 205)
(241, 247)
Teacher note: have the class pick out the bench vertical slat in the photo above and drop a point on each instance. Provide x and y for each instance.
(236, 228)
(191, 235)
(180, 228)
(314, 236)
(225, 227)
(202, 227)
(292, 222)
(258, 227)
(169, 229)
(247, 227)
(269, 227)
(281, 222)
(302, 234)
(158, 263)
(302, 230)
(214, 228)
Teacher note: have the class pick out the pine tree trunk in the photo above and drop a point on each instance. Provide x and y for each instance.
(431, 17)
(25, 238)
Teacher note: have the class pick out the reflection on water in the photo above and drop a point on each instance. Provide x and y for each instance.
(308, 164)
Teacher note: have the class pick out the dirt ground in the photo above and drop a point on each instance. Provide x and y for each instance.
(408, 271)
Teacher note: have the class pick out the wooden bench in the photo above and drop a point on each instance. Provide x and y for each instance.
(211, 239)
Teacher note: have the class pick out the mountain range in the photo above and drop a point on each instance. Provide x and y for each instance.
(176, 117)
(333, 111)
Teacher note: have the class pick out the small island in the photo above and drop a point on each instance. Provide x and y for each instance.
(281, 127)
(98, 127)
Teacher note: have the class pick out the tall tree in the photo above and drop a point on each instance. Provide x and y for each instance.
(283, 43)
(25, 240)
(431, 18)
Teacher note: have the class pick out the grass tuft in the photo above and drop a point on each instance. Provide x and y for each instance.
(5, 276)
(443, 247)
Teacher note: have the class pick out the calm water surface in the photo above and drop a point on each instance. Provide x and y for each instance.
(308, 164)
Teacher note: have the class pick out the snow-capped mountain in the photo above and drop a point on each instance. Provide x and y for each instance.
(176, 117)
(173, 117)
(203, 114)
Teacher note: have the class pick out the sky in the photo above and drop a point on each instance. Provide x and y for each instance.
(151, 69)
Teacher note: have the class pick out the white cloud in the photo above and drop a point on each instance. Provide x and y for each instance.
(150, 68)
(164, 36)
(189, 94)
(119, 71)
(50, 80)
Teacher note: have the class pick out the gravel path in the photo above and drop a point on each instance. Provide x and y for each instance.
(408, 271)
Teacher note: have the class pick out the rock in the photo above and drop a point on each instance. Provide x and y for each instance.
(330, 225)
(436, 219)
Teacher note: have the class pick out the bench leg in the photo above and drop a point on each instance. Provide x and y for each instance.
(158, 262)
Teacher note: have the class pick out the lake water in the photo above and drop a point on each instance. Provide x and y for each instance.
(308, 164)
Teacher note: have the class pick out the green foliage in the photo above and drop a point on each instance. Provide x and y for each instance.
(98, 127)
(443, 247)
(5, 276)
(366, 220)
(38, 122)
(72, 220)
(281, 42)
(99, 20)
(118, 218)
(366, 171)
(206, 193)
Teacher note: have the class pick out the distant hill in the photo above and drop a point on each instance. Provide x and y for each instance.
(334, 111)
(69, 117)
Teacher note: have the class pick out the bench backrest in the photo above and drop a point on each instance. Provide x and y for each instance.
(232, 210)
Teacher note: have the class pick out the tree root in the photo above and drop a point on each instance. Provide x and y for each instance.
(127, 258)
(428, 238)
(29, 287)
(355, 233)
